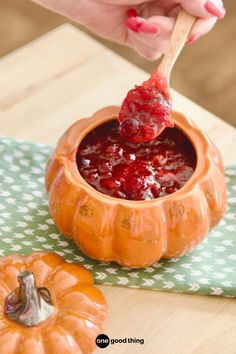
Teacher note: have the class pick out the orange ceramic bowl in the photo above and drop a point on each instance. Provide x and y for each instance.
(135, 234)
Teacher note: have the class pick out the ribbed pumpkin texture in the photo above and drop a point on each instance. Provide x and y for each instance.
(135, 234)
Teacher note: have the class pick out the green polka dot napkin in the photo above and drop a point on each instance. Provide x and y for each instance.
(26, 226)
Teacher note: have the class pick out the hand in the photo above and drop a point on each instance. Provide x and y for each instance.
(143, 25)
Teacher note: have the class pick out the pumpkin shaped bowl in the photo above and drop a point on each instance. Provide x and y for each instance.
(132, 233)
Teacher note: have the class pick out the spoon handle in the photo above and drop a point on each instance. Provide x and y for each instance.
(182, 28)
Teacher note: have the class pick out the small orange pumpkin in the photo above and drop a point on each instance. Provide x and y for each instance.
(135, 233)
(55, 310)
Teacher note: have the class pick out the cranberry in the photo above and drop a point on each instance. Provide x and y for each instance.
(107, 174)
(92, 177)
(135, 171)
(134, 184)
(119, 194)
(121, 171)
(105, 166)
(157, 159)
(129, 127)
(171, 190)
(156, 190)
(109, 183)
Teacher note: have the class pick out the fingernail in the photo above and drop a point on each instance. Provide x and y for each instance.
(193, 38)
(134, 23)
(215, 9)
(132, 13)
(149, 28)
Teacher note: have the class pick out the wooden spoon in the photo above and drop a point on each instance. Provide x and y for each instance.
(133, 124)
(182, 28)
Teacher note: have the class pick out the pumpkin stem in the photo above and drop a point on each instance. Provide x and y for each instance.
(28, 304)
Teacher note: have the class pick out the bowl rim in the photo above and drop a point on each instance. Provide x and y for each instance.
(199, 140)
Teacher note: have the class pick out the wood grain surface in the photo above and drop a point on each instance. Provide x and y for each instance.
(65, 75)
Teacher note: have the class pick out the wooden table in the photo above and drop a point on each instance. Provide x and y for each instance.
(47, 85)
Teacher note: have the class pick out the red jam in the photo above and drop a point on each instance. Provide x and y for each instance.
(140, 171)
(145, 112)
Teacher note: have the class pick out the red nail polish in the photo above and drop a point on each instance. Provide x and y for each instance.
(193, 38)
(149, 28)
(215, 9)
(132, 13)
(134, 23)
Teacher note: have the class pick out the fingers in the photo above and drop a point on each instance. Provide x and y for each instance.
(208, 12)
(200, 28)
(204, 8)
(150, 37)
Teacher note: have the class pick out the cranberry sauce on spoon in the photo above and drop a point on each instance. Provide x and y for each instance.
(145, 112)
(135, 171)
